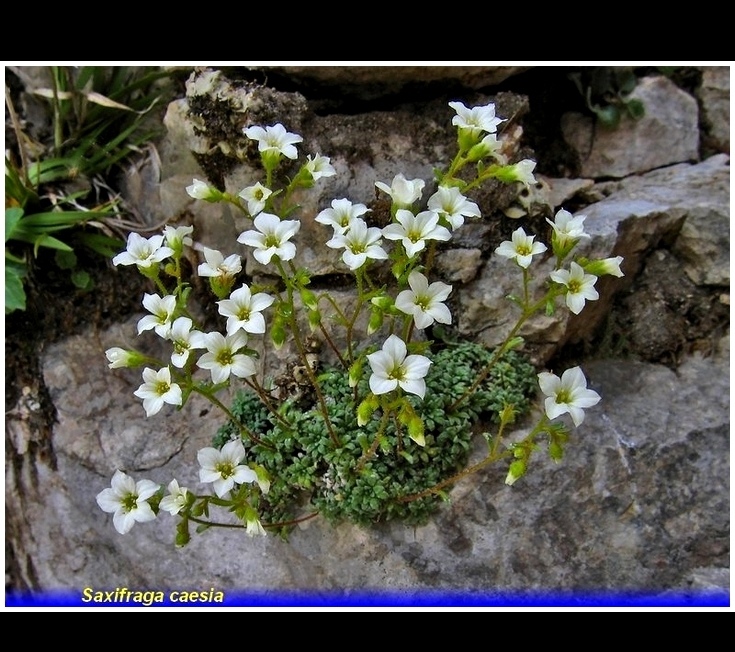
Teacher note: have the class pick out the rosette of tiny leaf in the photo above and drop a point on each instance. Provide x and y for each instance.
(304, 464)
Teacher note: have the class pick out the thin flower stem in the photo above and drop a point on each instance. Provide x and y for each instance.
(500, 350)
(294, 521)
(358, 309)
(201, 521)
(332, 345)
(214, 400)
(263, 396)
(430, 257)
(160, 286)
(334, 305)
(387, 408)
(492, 457)
(240, 526)
(302, 354)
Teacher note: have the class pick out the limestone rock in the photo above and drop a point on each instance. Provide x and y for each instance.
(665, 135)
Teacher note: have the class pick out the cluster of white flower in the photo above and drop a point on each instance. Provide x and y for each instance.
(394, 368)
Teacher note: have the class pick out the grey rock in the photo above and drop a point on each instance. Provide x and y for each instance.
(459, 265)
(714, 95)
(639, 503)
(667, 133)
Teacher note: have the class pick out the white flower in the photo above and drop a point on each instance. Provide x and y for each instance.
(127, 501)
(201, 190)
(520, 248)
(522, 172)
(223, 468)
(178, 236)
(567, 394)
(567, 229)
(488, 146)
(175, 501)
(121, 358)
(319, 167)
(612, 266)
(360, 243)
(580, 286)
(341, 215)
(243, 310)
(184, 340)
(452, 205)
(403, 192)
(255, 196)
(413, 230)
(158, 389)
(222, 357)
(271, 238)
(609, 266)
(392, 368)
(162, 312)
(143, 252)
(217, 265)
(275, 139)
(477, 119)
(424, 301)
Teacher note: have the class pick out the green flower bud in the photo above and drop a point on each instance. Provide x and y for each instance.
(609, 266)
(201, 190)
(309, 298)
(182, 533)
(278, 333)
(355, 372)
(556, 452)
(507, 414)
(125, 358)
(221, 285)
(516, 470)
(416, 430)
(384, 302)
(376, 320)
(366, 408)
(315, 319)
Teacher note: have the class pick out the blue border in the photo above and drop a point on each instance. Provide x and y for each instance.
(422, 598)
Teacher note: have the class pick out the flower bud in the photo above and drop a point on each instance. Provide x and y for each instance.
(376, 320)
(516, 470)
(221, 285)
(488, 146)
(315, 319)
(521, 171)
(416, 430)
(263, 479)
(602, 267)
(355, 372)
(124, 358)
(366, 408)
(200, 190)
(278, 333)
(384, 302)
(309, 299)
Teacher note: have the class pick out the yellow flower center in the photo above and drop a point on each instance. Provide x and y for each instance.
(225, 469)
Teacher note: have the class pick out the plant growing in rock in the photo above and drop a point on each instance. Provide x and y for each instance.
(54, 190)
(374, 420)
